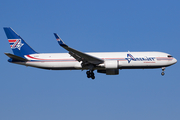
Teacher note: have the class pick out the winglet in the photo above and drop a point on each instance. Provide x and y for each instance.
(60, 41)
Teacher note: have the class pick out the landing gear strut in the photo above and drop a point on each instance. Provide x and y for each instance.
(90, 74)
(163, 69)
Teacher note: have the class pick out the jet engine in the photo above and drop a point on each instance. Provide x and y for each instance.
(111, 67)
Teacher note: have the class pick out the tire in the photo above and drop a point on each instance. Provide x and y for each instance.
(162, 73)
(93, 77)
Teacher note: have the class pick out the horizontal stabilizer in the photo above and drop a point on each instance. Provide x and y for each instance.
(14, 57)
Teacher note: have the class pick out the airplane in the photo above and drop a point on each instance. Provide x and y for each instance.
(107, 63)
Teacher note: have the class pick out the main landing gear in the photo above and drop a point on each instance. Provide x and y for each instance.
(90, 74)
(163, 69)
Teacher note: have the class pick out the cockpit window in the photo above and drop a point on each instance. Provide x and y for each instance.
(169, 56)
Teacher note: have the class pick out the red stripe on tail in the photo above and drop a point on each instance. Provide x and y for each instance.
(12, 41)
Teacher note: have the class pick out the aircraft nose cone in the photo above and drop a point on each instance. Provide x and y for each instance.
(175, 61)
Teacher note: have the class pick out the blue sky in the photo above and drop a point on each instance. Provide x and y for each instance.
(104, 26)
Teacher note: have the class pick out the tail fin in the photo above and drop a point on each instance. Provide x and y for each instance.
(17, 44)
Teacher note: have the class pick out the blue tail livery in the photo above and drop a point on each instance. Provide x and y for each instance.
(17, 44)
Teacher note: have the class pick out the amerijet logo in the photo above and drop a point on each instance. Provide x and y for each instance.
(131, 58)
(15, 43)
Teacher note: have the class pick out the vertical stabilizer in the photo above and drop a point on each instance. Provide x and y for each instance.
(17, 44)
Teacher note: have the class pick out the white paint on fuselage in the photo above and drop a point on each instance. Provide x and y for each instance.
(65, 61)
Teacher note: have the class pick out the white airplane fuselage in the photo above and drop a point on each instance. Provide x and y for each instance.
(113, 60)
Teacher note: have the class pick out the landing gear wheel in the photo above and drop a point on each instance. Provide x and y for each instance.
(90, 74)
(93, 77)
(162, 73)
(163, 69)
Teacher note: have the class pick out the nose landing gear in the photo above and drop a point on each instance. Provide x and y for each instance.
(163, 69)
(90, 74)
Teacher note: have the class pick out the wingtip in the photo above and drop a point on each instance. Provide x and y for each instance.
(55, 34)
(60, 41)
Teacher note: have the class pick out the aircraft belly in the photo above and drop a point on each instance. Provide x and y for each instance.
(54, 65)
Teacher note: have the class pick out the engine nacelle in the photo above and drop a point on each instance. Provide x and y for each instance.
(109, 71)
(111, 67)
(111, 64)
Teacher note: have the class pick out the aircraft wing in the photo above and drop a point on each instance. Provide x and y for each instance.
(79, 56)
